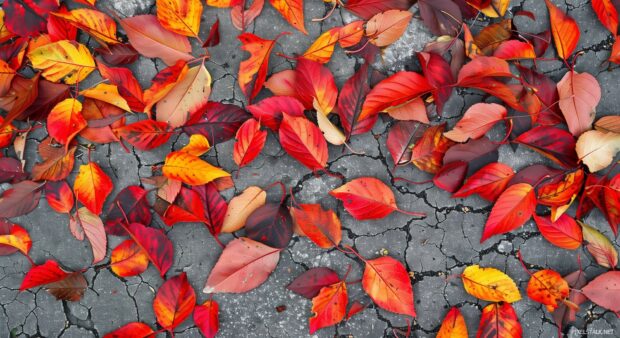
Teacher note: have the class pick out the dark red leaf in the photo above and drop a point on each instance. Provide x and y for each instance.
(214, 206)
(217, 121)
(309, 283)
(555, 143)
(214, 35)
(118, 54)
(269, 111)
(130, 202)
(20, 199)
(270, 224)
(27, 17)
(401, 138)
(451, 176)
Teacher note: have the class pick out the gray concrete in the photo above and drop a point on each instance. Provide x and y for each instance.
(434, 248)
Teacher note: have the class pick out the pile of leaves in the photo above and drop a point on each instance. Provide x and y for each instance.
(478, 47)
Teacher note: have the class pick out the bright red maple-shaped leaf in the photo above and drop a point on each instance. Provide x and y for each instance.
(174, 302)
(499, 320)
(368, 198)
(206, 317)
(511, 210)
(250, 142)
(329, 306)
(304, 141)
(387, 283)
(309, 283)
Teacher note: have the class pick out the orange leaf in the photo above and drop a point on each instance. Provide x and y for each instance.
(92, 186)
(511, 210)
(241, 207)
(190, 169)
(476, 121)
(6, 76)
(499, 320)
(174, 302)
(453, 325)
(57, 163)
(396, 90)
(428, 152)
(19, 239)
(255, 67)
(321, 226)
(322, 48)
(180, 16)
(385, 28)
(65, 120)
(607, 14)
(128, 259)
(564, 29)
(292, 11)
(579, 93)
(564, 232)
(329, 306)
(97, 24)
(250, 142)
(387, 283)
(163, 83)
(560, 193)
(107, 93)
(547, 287)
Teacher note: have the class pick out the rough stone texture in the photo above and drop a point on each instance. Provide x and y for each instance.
(433, 249)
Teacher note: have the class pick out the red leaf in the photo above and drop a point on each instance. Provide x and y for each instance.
(488, 182)
(250, 142)
(187, 207)
(604, 291)
(564, 233)
(132, 203)
(396, 90)
(439, 75)
(304, 142)
(155, 243)
(442, 17)
(350, 103)
(555, 143)
(368, 198)
(174, 302)
(565, 31)
(241, 17)
(217, 121)
(128, 87)
(428, 152)
(270, 224)
(321, 226)
(556, 194)
(59, 196)
(477, 121)
(292, 11)
(39, 275)
(13, 232)
(214, 206)
(329, 306)
(28, 18)
(387, 283)
(309, 283)
(128, 259)
(255, 67)
(243, 265)
(453, 325)
(269, 111)
(133, 330)
(214, 36)
(315, 86)
(511, 210)
(451, 176)
(607, 14)
(401, 138)
(499, 320)
(145, 134)
(366, 9)
(20, 199)
(206, 317)
(118, 54)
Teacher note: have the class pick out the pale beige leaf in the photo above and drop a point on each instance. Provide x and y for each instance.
(186, 98)
(597, 149)
(242, 206)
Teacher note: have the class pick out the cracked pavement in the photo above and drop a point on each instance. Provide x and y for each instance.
(435, 249)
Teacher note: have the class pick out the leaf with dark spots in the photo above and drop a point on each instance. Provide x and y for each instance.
(131, 202)
(217, 121)
(270, 224)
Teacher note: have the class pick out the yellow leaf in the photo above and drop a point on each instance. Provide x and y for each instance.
(241, 207)
(490, 284)
(190, 169)
(186, 98)
(63, 60)
(322, 48)
(5, 34)
(107, 93)
(496, 9)
(97, 24)
(220, 3)
(197, 146)
(180, 16)
(597, 149)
